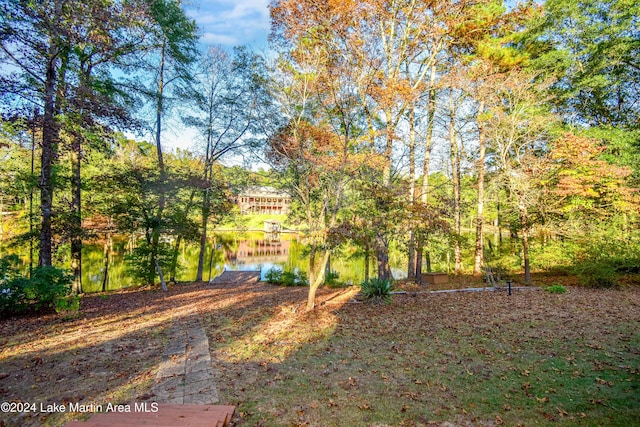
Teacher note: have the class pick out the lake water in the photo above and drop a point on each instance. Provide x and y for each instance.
(242, 251)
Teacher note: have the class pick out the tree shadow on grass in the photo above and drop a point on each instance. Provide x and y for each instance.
(483, 358)
(108, 353)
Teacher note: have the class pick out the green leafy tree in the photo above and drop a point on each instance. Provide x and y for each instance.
(134, 190)
(35, 46)
(170, 51)
(591, 47)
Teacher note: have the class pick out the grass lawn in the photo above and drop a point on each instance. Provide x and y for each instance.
(480, 358)
(253, 222)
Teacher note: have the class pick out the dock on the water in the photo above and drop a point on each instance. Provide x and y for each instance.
(236, 278)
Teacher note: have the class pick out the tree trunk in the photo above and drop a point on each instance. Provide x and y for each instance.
(479, 252)
(524, 221)
(382, 256)
(107, 254)
(203, 233)
(499, 224)
(76, 216)
(205, 199)
(455, 175)
(48, 155)
(76, 180)
(411, 258)
(429, 137)
(411, 255)
(318, 278)
(367, 261)
(162, 282)
(163, 176)
(419, 265)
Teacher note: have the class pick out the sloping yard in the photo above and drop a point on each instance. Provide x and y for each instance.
(482, 358)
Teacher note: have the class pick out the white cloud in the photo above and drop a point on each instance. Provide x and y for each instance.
(232, 22)
(219, 39)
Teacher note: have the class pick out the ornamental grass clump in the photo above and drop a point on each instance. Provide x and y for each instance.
(377, 290)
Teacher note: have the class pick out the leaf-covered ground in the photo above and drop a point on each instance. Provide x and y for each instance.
(480, 358)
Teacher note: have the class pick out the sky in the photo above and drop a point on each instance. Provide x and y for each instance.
(225, 23)
(231, 22)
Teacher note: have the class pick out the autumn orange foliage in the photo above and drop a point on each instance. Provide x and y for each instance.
(578, 171)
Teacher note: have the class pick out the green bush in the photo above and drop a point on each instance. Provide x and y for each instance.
(11, 291)
(9, 268)
(332, 280)
(377, 290)
(46, 287)
(47, 284)
(294, 278)
(12, 297)
(286, 278)
(597, 274)
(555, 289)
(274, 276)
(601, 260)
(68, 305)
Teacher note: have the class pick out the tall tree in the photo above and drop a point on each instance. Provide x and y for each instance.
(317, 165)
(172, 50)
(318, 150)
(35, 45)
(104, 34)
(520, 128)
(455, 157)
(229, 97)
(484, 47)
(389, 49)
(582, 185)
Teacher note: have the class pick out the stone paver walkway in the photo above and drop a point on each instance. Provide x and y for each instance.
(186, 374)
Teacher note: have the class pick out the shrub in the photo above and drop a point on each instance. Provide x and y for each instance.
(301, 278)
(377, 290)
(12, 297)
(286, 278)
(68, 306)
(601, 260)
(47, 284)
(597, 275)
(332, 280)
(46, 287)
(556, 289)
(274, 276)
(9, 268)
(11, 288)
(294, 278)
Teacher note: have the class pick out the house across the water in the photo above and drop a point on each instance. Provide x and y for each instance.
(264, 200)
